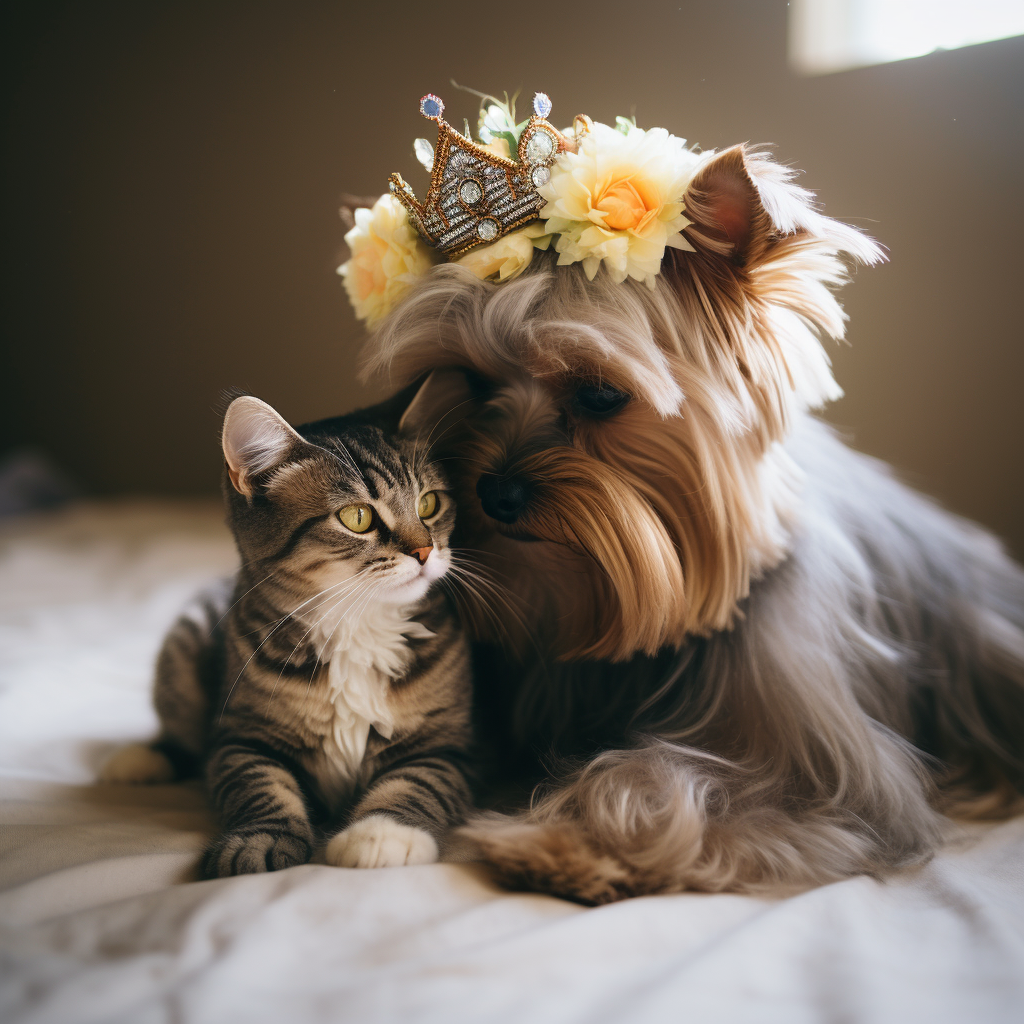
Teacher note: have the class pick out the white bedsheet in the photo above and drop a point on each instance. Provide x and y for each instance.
(99, 920)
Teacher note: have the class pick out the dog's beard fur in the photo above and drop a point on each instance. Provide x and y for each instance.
(825, 619)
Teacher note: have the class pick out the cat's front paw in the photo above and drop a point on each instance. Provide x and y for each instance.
(254, 850)
(138, 764)
(378, 841)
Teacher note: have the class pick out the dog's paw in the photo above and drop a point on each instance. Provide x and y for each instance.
(138, 764)
(254, 850)
(378, 841)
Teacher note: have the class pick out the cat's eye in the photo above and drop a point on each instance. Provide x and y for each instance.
(428, 504)
(599, 399)
(358, 518)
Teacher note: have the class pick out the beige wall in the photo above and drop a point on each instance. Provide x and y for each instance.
(175, 169)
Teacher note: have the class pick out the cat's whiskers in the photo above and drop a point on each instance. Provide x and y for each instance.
(499, 592)
(348, 457)
(280, 622)
(350, 593)
(430, 439)
(351, 580)
(451, 585)
(483, 574)
(366, 588)
(231, 607)
(485, 591)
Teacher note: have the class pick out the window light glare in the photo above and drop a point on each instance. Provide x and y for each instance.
(833, 35)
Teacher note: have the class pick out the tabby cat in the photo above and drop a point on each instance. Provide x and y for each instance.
(329, 684)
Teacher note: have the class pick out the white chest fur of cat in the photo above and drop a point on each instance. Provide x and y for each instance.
(364, 650)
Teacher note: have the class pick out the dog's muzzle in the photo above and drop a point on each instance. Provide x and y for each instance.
(503, 497)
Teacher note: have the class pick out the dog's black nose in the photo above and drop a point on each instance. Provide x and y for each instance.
(503, 497)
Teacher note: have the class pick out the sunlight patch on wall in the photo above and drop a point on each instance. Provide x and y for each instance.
(834, 35)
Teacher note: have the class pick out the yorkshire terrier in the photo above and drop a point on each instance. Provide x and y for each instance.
(742, 656)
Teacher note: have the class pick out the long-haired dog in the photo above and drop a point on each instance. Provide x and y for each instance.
(748, 657)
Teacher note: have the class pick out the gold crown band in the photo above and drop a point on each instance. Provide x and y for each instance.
(475, 195)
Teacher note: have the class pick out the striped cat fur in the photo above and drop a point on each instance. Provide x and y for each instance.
(325, 691)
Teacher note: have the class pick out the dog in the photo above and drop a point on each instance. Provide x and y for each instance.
(735, 654)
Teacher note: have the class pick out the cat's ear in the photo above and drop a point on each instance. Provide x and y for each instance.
(255, 438)
(446, 395)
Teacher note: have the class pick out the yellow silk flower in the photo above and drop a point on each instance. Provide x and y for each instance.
(618, 200)
(387, 258)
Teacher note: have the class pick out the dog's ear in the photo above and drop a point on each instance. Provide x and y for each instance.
(445, 396)
(742, 204)
(255, 438)
(349, 205)
(724, 205)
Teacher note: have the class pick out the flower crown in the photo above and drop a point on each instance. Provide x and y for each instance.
(602, 195)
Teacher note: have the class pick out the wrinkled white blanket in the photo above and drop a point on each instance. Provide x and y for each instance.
(100, 922)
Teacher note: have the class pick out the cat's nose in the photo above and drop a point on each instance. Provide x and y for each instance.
(503, 497)
(421, 554)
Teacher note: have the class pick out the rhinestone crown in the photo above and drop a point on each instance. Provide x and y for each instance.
(476, 196)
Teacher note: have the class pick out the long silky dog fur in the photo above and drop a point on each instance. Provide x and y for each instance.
(751, 659)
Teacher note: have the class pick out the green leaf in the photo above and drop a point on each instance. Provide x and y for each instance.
(512, 137)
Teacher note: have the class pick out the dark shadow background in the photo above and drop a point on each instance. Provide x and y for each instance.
(173, 172)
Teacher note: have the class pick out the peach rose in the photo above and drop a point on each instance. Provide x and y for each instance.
(628, 204)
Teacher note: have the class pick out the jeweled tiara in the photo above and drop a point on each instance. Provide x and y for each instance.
(477, 195)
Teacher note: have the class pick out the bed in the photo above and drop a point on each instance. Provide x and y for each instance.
(101, 918)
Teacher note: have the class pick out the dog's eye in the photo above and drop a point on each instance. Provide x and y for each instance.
(599, 399)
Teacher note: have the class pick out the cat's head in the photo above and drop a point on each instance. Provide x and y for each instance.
(336, 510)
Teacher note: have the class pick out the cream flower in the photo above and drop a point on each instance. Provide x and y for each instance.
(388, 257)
(509, 256)
(618, 200)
